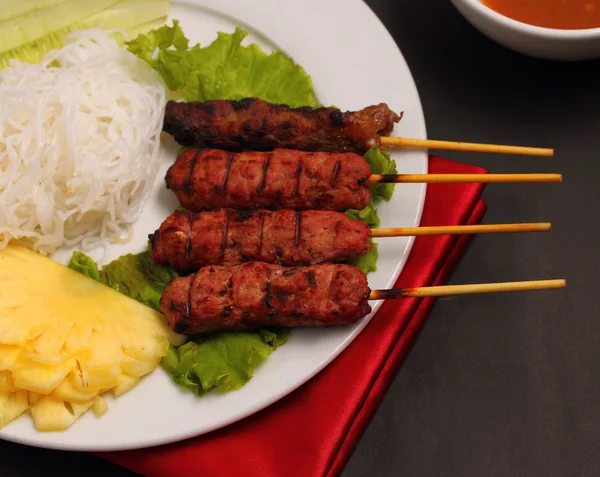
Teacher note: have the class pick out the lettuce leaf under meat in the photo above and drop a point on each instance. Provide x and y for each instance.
(224, 69)
(381, 163)
(224, 361)
(367, 215)
(133, 275)
(368, 262)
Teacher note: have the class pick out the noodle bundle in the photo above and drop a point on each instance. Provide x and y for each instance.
(79, 143)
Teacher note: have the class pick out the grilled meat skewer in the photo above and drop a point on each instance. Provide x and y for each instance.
(282, 179)
(189, 240)
(256, 294)
(254, 124)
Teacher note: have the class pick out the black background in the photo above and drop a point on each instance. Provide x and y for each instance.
(495, 385)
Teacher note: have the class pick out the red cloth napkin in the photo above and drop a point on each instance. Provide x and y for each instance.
(313, 431)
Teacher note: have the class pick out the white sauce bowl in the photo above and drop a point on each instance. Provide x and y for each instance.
(547, 43)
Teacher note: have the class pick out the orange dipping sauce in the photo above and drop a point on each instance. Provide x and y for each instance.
(559, 14)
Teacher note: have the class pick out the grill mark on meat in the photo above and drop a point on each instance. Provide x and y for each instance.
(261, 186)
(170, 230)
(187, 307)
(298, 176)
(290, 273)
(187, 185)
(266, 301)
(230, 157)
(261, 229)
(282, 294)
(180, 327)
(206, 108)
(337, 118)
(298, 229)
(243, 103)
(310, 278)
(187, 250)
(281, 107)
(226, 311)
(224, 236)
(153, 240)
(330, 285)
(336, 170)
(262, 130)
(244, 215)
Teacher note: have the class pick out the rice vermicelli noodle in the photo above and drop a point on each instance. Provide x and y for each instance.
(79, 143)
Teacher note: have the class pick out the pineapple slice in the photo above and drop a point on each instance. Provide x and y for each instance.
(7, 384)
(12, 405)
(126, 383)
(99, 406)
(33, 398)
(65, 339)
(40, 378)
(67, 392)
(51, 414)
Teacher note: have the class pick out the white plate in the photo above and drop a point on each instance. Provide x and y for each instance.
(353, 62)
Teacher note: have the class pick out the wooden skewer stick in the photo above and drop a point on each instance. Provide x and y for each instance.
(463, 178)
(467, 289)
(465, 146)
(461, 229)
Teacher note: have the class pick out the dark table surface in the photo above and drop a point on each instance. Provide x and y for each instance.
(496, 385)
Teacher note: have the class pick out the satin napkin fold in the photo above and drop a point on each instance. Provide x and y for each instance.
(313, 431)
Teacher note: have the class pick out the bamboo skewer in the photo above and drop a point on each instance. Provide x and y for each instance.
(461, 178)
(467, 289)
(465, 146)
(461, 229)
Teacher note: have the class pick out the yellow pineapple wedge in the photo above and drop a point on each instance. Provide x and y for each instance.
(66, 339)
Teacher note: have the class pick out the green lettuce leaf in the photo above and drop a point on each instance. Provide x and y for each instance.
(368, 262)
(224, 69)
(135, 276)
(367, 215)
(275, 336)
(223, 361)
(381, 163)
(83, 264)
